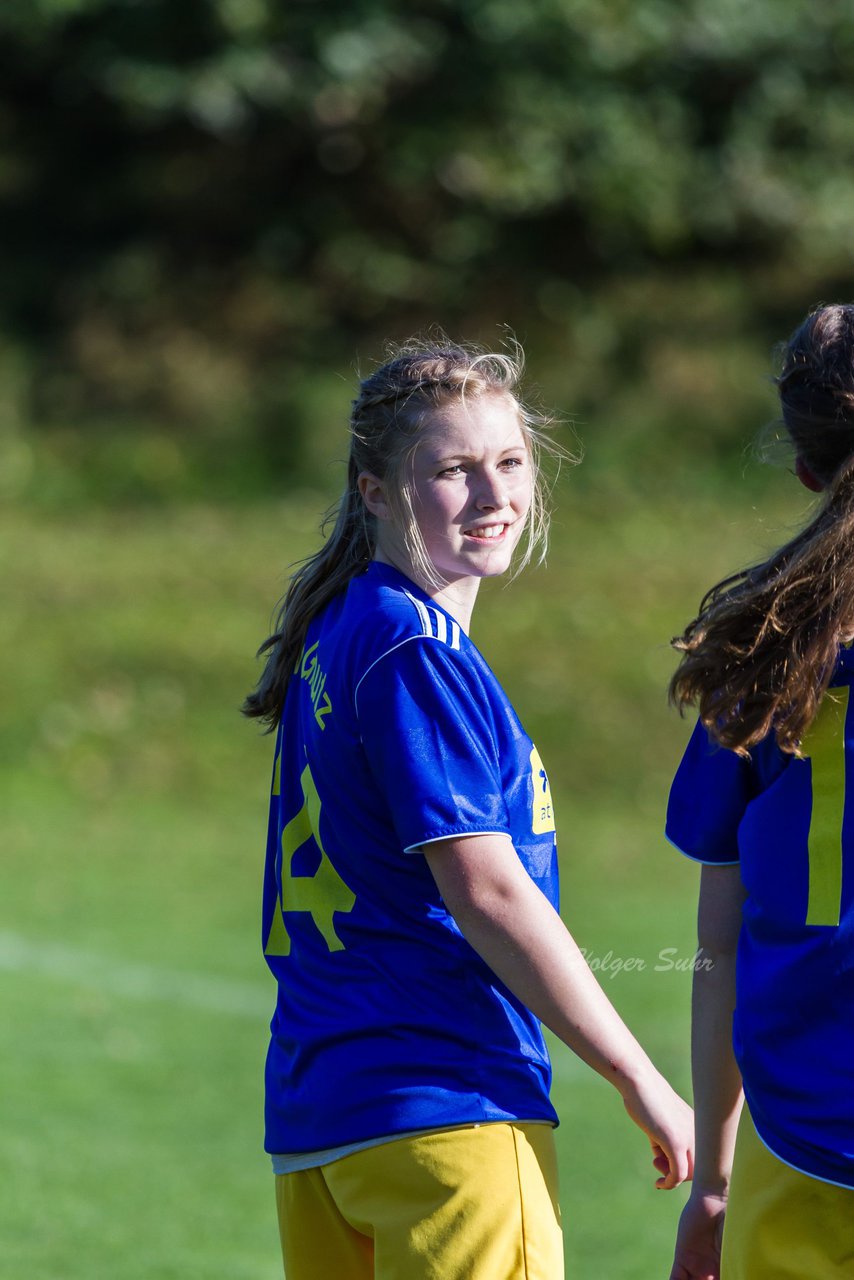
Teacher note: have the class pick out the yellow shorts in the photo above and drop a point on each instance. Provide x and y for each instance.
(472, 1203)
(782, 1224)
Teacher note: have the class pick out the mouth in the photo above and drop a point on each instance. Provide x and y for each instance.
(487, 533)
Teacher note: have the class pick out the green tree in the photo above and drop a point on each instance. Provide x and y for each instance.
(201, 200)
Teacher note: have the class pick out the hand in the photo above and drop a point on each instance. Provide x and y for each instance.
(698, 1240)
(668, 1122)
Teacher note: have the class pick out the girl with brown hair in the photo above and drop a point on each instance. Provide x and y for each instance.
(764, 798)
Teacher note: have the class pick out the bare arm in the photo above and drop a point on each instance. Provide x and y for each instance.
(717, 1083)
(513, 927)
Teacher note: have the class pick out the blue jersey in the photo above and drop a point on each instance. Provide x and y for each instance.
(395, 733)
(789, 824)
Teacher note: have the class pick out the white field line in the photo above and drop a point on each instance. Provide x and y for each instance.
(200, 991)
(197, 991)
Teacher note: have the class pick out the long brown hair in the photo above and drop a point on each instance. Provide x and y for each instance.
(762, 650)
(386, 425)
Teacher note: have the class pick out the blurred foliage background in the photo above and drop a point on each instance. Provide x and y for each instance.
(210, 211)
(212, 215)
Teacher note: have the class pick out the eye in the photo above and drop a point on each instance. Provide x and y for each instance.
(455, 470)
(511, 464)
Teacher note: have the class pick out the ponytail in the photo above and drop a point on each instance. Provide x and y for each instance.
(346, 552)
(762, 650)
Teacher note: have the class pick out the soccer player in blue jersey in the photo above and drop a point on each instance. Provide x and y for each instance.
(410, 900)
(762, 799)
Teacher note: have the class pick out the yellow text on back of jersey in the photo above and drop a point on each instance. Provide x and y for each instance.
(310, 670)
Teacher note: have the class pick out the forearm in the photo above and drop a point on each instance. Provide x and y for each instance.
(526, 944)
(514, 928)
(717, 1083)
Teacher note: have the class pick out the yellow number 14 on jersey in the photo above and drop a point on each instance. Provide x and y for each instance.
(322, 894)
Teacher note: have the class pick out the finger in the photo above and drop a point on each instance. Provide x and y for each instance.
(664, 1163)
(659, 1159)
(680, 1162)
(676, 1172)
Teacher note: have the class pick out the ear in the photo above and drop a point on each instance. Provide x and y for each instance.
(372, 490)
(807, 477)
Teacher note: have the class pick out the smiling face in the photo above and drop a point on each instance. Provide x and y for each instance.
(471, 486)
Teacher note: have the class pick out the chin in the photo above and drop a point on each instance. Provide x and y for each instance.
(492, 570)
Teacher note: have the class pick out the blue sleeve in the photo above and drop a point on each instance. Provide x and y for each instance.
(710, 793)
(427, 730)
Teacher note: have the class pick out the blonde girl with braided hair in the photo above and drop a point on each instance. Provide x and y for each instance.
(764, 799)
(410, 899)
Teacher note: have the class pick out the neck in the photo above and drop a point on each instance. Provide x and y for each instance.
(456, 598)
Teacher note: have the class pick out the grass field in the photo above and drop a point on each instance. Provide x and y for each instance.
(133, 998)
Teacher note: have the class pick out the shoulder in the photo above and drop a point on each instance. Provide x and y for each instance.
(383, 611)
(712, 790)
(392, 632)
(412, 617)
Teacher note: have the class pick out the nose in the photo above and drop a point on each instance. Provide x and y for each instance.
(491, 493)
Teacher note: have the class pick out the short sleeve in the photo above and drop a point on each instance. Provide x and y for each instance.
(710, 793)
(430, 740)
